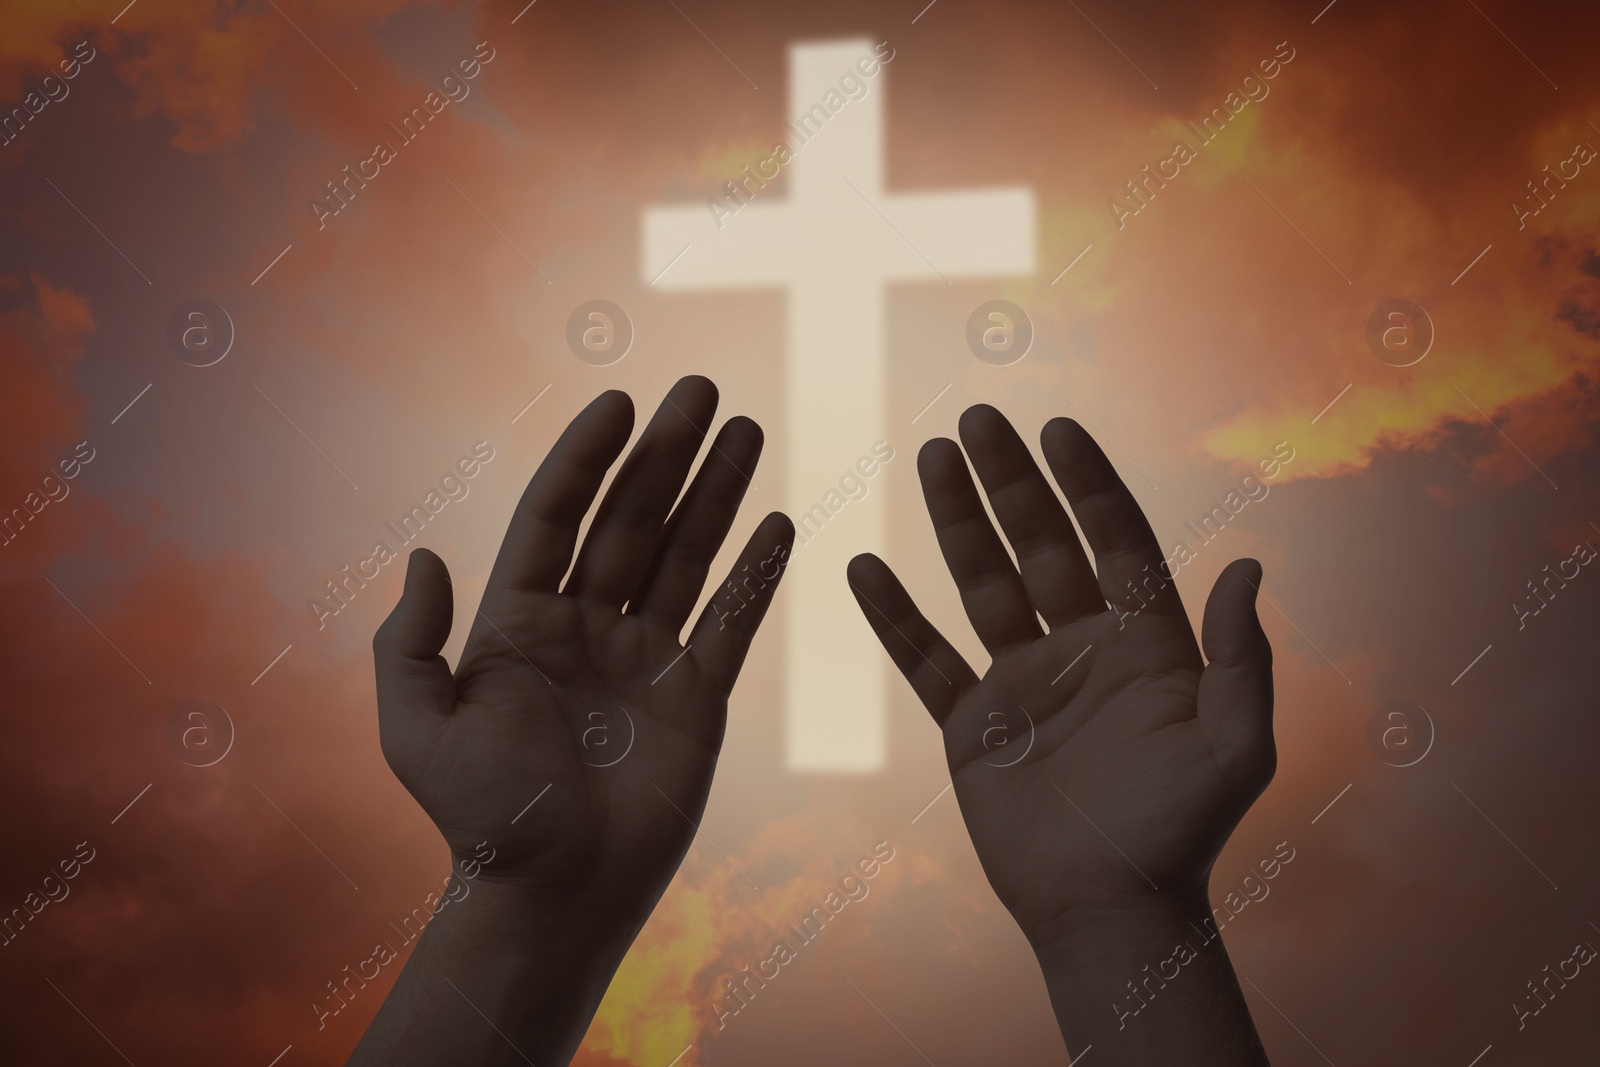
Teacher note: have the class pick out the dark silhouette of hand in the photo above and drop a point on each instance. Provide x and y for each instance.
(580, 696)
(576, 738)
(1100, 763)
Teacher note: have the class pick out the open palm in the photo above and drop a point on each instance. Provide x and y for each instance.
(577, 736)
(1099, 760)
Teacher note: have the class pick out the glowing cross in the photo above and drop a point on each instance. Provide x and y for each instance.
(834, 243)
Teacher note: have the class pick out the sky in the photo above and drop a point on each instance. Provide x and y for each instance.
(1441, 154)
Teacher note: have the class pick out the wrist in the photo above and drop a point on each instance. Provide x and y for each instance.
(1131, 919)
(532, 961)
(1147, 979)
(551, 918)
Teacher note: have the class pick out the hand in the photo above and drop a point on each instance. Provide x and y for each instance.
(580, 697)
(1100, 765)
(576, 738)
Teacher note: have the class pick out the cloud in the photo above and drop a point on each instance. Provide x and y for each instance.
(707, 955)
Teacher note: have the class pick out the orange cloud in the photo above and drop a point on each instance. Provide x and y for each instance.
(695, 967)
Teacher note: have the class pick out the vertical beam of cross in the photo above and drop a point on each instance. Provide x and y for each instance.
(834, 244)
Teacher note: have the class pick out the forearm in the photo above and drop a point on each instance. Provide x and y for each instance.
(502, 976)
(1151, 984)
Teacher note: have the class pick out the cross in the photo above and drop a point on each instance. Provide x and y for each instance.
(834, 243)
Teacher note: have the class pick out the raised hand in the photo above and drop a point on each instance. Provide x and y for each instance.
(1100, 763)
(577, 735)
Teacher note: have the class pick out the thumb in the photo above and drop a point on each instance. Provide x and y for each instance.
(1235, 698)
(413, 678)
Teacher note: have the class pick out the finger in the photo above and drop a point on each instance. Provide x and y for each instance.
(937, 672)
(1235, 697)
(622, 540)
(698, 526)
(1055, 571)
(413, 678)
(991, 589)
(722, 636)
(537, 549)
(1131, 570)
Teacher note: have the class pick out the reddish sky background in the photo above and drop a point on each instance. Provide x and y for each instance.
(1224, 317)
